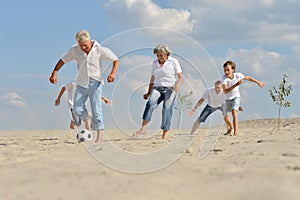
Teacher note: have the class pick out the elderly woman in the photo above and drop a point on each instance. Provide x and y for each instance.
(166, 78)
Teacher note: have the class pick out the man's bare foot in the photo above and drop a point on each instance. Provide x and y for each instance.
(139, 132)
(235, 134)
(72, 124)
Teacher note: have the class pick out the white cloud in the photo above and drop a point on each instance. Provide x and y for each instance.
(257, 116)
(255, 21)
(13, 99)
(267, 3)
(292, 37)
(145, 13)
(136, 60)
(137, 71)
(294, 115)
(255, 61)
(193, 84)
(296, 48)
(257, 67)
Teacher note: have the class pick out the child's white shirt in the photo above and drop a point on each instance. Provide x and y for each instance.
(214, 100)
(70, 88)
(230, 82)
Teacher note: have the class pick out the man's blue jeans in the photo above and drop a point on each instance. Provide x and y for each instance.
(94, 93)
(159, 94)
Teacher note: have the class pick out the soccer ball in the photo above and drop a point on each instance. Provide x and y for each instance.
(84, 135)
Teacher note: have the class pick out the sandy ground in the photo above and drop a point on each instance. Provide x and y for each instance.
(261, 163)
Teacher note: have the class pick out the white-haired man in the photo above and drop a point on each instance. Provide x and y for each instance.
(89, 55)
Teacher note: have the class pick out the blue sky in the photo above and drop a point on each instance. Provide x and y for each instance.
(261, 36)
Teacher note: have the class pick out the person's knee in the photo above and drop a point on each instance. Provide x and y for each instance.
(77, 111)
(227, 118)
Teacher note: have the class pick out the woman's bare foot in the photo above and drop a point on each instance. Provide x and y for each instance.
(139, 132)
(165, 135)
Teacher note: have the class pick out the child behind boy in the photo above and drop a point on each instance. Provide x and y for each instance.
(231, 81)
(71, 88)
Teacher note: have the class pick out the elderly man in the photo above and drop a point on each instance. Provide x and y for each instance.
(89, 55)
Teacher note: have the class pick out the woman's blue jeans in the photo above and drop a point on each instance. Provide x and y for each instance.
(159, 94)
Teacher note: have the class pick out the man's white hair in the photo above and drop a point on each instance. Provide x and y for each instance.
(83, 35)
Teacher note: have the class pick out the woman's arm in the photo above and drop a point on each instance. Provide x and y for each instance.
(150, 87)
(179, 81)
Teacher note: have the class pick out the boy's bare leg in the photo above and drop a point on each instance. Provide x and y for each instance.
(99, 136)
(165, 134)
(87, 124)
(90, 116)
(72, 124)
(229, 124)
(235, 121)
(195, 126)
(143, 129)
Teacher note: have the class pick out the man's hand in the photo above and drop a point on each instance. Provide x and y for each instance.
(111, 78)
(53, 78)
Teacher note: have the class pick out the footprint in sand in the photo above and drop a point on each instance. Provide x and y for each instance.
(289, 155)
(3, 157)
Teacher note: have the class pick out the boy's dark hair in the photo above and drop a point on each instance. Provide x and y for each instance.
(231, 63)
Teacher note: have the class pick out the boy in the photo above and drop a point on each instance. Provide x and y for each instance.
(216, 99)
(231, 82)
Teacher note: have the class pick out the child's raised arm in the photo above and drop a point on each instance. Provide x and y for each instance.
(259, 83)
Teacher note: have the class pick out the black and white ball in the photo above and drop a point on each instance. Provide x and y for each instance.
(84, 135)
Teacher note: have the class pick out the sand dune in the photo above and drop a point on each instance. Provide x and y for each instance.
(261, 163)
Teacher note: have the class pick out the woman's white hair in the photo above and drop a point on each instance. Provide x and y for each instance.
(163, 48)
(83, 35)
